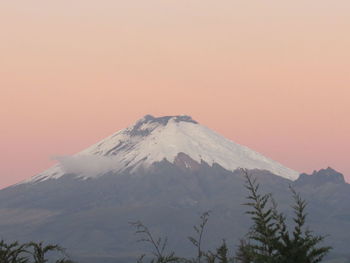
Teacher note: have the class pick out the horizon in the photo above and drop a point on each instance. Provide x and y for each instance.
(271, 76)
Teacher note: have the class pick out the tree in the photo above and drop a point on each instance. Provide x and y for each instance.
(158, 244)
(263, 231)
(12, 253)
(222, 253)
(40, 251)
(197, 241)
(301, 245)
(270, 239)
(244, 253)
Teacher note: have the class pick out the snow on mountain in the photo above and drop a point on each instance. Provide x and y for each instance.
(152, 140)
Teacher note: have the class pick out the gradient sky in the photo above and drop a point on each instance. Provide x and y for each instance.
(272, 75)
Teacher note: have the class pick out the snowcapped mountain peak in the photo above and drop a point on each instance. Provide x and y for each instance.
(146, 137)
(165, 119)
(148, 123)
(149, 119)
(155, 139)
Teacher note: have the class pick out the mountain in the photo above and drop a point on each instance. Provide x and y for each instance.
(177, 139)
(165, 172)
(322, 176)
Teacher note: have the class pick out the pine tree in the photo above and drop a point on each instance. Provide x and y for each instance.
(222, 253)
(244, 253)
(270, 239)
(301, 246)
(263, 232)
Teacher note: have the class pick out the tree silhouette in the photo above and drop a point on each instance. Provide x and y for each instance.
(159, 245)
(197, 241)
(12, 253)
(270, 241)
(40, 251)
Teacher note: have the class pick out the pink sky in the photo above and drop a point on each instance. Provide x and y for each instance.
(272, 75)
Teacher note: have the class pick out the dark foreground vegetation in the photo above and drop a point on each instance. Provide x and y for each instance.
(271, 239)
(30, 253)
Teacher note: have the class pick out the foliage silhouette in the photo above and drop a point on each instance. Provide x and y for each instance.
(28, 253)
(158, 244)
(12, 253)
(270, 241)
(197, 241)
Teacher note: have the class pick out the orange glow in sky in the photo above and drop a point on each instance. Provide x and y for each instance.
(271, 75)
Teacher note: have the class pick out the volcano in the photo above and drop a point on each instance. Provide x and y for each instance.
(177, 139)
(164, 171)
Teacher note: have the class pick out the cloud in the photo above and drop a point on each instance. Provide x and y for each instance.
(86, 165)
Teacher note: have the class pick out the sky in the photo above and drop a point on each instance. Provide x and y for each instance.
(271, 75)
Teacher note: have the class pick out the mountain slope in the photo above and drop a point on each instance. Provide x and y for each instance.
(91, 217)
